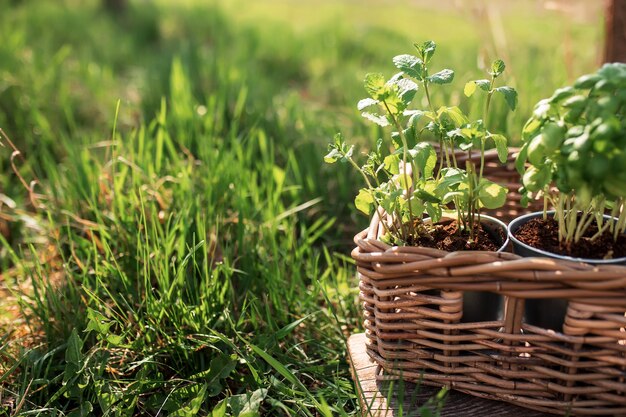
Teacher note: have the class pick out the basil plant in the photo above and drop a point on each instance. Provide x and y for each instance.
(574, 154)
(409, 177)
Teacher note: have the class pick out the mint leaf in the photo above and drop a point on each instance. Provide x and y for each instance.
(497, 67)
(392, 163)
(425, 158)
(364, 201)
(469, 89)
(365, 103)
(333, 156)
(376, 118)
(410, 65)
(500, 141)
(426, 50)
(375, 85)
(442, 77)
(407, 90)
(453, 113)
(510, 95)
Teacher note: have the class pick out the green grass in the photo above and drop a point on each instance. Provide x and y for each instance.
(187, 254)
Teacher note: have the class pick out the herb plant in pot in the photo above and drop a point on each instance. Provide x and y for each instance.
(574, 158)
(420, 197)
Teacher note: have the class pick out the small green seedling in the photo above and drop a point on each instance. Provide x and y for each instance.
(404, 175)
(576, 141)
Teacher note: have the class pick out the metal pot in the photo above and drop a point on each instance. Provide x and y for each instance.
(525, 250)
(547, 313)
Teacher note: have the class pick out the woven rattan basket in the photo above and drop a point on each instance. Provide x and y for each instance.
(413, 306)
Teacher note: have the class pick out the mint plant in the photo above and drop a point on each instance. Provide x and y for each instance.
(404, 176)
(576, 141)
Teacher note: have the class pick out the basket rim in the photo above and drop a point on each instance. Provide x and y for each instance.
(362, 242)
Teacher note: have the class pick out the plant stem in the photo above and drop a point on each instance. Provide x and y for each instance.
(621, 219)
(545, 202)
(560, 216)
(485, 119)
(442, 140)
(582, 225)
(405, 146)
(430, 104)
(440, 158)
(369, 186)
(454, 158)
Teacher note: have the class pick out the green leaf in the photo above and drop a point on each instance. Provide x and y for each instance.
(407, 90)
(536, 150)
(285, 330)
(375, 85)
(561, 94)
(97, 322)
(454, 113)
(442, 77)
(73, 356)
(410, 65)
(500, 141)
(426, 196)
(365, 103)
(536, 179)
(451, 177)
(530, 128)
(73, 350)
(364, 201)
(542, 109)
(552, 136)
(392, 163)
(115, 340)
(491, 195)
(376, 118)
(349, 153)
(404, 182)
(84, 410)
(520, 160)
(425, 158)
(483, 84)
(449, 196)
(426, 50)
(248, 404)
(587, 81)
(220, 368)
(219, 410)
(331, 157)
(192, 408)
(414, 117)
(279, 367)
(510, 95)
(434, 212)
(497, 67)
(470, 88)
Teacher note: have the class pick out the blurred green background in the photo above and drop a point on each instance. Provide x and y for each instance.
(184, 250)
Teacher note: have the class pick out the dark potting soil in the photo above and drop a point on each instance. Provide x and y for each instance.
(544, 234)
(444, 236)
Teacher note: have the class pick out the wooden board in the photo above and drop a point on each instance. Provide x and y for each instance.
(386, 398)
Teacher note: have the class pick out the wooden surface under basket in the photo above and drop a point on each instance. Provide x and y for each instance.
(413, 311)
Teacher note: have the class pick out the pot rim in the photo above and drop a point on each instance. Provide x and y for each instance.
(518, 221)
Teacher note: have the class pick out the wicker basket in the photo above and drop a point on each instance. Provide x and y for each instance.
(413, 307)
